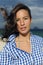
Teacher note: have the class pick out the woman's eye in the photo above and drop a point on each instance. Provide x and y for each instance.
(17, 20)
(25, 18)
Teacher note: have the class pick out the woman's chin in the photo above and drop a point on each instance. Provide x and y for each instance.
(24, 33)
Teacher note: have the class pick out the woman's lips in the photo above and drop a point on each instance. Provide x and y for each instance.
(23, 28)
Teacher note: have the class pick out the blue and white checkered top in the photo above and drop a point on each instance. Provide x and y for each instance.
(11, 55)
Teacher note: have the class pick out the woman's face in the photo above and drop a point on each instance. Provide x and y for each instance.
(23, 21)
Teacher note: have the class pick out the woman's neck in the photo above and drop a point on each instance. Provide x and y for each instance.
(24, 37)
(23, 42)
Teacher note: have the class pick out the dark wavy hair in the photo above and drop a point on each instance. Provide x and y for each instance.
(11, 26)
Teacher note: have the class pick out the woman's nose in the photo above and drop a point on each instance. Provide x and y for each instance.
(22, 22)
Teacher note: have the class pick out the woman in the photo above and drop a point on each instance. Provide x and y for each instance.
(22, 48)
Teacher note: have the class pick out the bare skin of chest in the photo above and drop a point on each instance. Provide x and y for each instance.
(23, 45)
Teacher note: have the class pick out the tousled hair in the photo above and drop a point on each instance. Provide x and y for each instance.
(11, 26)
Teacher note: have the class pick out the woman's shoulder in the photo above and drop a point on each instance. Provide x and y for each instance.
(11, 37)
(37, 38)
(10, 42)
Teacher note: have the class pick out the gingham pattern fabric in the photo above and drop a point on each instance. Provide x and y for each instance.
(11, 55)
